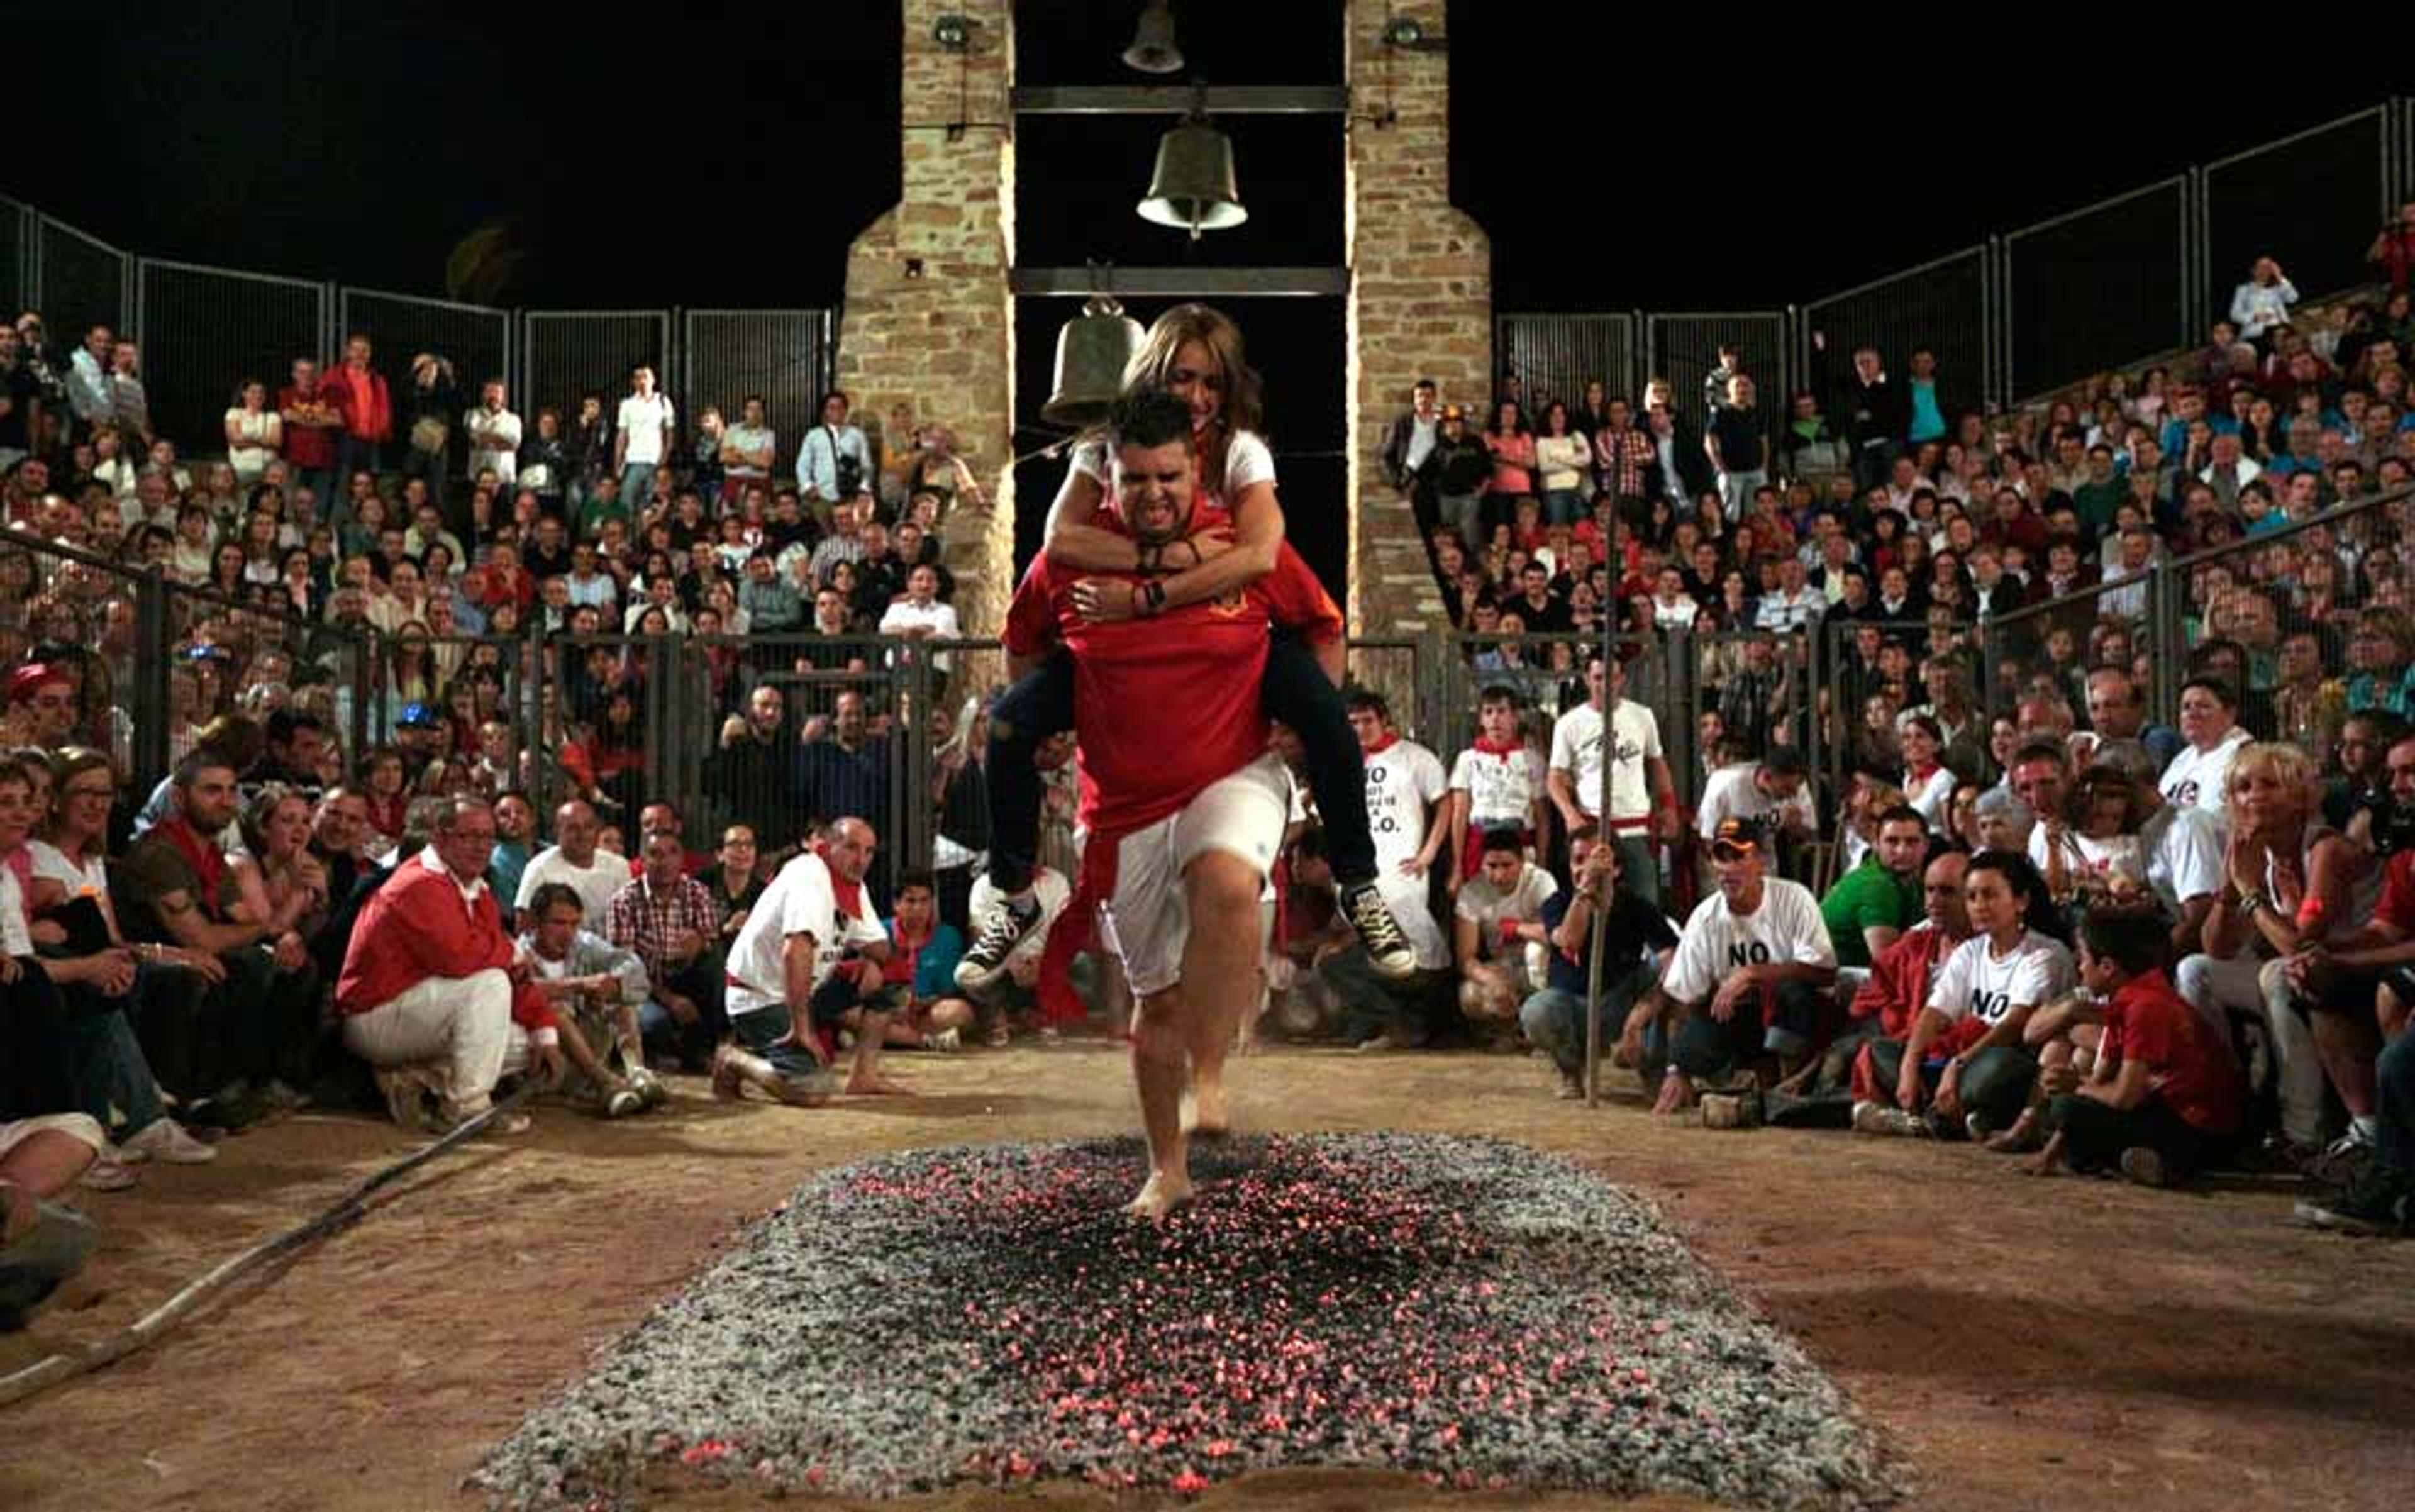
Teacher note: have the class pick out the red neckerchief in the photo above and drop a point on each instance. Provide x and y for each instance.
(208, 860)
(1391, 738)
(1505, 750)
(1922, 774)
(849, 894)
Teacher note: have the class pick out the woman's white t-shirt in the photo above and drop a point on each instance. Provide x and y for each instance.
(261, 425)
(1977, 983)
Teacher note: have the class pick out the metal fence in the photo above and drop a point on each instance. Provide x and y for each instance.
(2312, 200)
(2109, 284)
(206, 330)
(567, 352)
(17, 227)
(784, 355)
(1683, 349)
(1555, 356)
(477, 339)
(1947, 304)
(79, 280)
(2100, 286)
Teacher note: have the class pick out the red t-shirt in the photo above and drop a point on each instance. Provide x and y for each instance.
(306, 446)
(2191, 1064)
(1165, 706)
(2397, 905)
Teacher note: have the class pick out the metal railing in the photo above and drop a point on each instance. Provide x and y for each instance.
(203, 329)
(2037, 307)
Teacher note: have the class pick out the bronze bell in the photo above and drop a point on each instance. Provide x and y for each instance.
(1092, 350)
(1193, 188)
(1152, 48)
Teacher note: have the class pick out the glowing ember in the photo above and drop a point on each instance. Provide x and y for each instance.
(1464, 1309)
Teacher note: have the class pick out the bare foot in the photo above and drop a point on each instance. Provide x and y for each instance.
(1209, 1118)
(1162, 1195)
(2019, 1139)
(1676, 1094)
(2048, 1161)
(872, 1083)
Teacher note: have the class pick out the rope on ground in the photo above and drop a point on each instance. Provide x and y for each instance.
(345, 1211)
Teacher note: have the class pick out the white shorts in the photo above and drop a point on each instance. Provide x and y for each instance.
(1148, 921)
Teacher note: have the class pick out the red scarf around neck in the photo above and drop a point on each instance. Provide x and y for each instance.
(208, 860)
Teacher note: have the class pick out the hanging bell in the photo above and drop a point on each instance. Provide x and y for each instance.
(1152, 48)
(1193, 188)
(1092, 350)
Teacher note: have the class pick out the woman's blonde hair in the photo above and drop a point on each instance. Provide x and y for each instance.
(1244, 406)
(2284, 762)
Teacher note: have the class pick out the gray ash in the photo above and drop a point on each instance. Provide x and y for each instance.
(1465, 1310)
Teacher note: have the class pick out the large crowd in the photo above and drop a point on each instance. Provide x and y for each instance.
(2038, 911)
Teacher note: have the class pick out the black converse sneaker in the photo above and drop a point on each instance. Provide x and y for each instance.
(1388, 949)
(1007, 925)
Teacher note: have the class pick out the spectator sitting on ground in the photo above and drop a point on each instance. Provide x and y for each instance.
(432, 993)
(922, 956)
(1500, 941)
(574, 858)
(594, 989)
(1637, 942)
(669, 921)
(1873, 904)
(1750, 969)
(1964, 1054)
(2162, 1099)
(808, 963)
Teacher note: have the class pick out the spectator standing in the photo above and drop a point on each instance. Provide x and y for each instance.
(495, 434)
(1737, 445)
(834, 462)
(2262, 302)
(364, 405)
(747, 449)
(643, 431)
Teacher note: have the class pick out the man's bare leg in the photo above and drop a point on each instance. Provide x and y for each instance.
(864, 1079)
(1220, 973)
(1161, 1057)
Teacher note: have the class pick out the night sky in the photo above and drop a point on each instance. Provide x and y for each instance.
(651, 165)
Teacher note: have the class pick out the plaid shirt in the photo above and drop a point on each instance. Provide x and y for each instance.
(647, 920)
(1620, 458)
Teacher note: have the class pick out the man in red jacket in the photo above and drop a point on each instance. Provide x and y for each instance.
(1884, 1006)
(432, 977)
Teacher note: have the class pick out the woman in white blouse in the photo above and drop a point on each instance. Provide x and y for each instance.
(255, 434)
(2263, 301)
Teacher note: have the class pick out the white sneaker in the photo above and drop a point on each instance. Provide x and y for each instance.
(947, 1041)
(166, 1139)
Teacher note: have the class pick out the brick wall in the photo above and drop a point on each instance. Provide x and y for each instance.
(943, 342)
(1421, 300)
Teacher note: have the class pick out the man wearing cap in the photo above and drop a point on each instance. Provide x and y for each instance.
(1772, 791)
(419, 734)
(1752, 966)
(44, 694)
(1615, 740)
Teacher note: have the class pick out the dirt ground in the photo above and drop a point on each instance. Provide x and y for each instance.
(2019, 1344)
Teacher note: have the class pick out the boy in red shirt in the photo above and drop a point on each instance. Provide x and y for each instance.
(2165, 1099)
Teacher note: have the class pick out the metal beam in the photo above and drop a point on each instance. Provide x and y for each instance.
(1177, 100)
(1183, 283)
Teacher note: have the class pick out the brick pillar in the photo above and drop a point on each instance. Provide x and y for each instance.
(1420, 302)
(943, 342)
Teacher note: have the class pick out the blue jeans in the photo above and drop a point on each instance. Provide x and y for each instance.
(2394, 1148)
(1555, 1020)
(32, 1269)
(1704, 1047)
(1465, 514)
(1736, 490)
(637, 485)
(1563, 506)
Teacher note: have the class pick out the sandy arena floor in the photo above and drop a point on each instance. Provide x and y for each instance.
(2064, 1344)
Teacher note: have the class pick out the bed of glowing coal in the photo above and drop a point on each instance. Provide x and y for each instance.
(1465, 1310)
